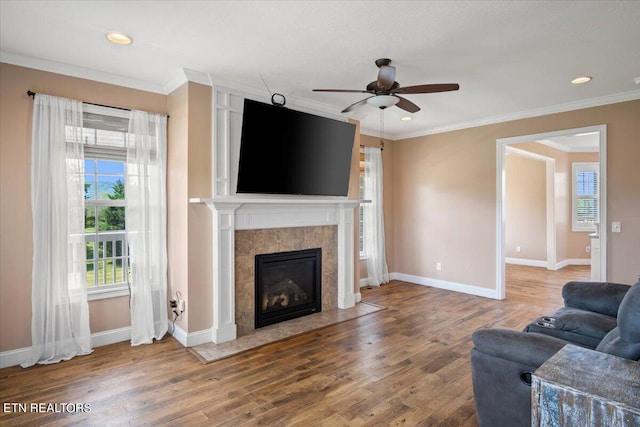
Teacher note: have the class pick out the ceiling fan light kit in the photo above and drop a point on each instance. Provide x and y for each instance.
(386, 91)
(383, 101)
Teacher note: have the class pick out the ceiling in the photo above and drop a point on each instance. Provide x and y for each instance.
(512, 59)
(578, 143)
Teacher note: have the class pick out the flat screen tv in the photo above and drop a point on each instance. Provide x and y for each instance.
(283, 151)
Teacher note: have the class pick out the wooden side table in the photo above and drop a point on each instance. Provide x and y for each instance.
(581, 387)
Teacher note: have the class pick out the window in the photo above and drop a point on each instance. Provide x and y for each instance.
(104, 134)
(586, 196)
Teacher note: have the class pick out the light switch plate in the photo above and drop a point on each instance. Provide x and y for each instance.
(615, 227)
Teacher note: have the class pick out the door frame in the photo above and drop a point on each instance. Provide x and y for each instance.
(501, 145)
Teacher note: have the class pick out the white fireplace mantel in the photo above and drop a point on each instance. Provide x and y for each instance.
(232, 213)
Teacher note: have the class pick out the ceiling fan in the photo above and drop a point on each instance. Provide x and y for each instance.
(386, 91)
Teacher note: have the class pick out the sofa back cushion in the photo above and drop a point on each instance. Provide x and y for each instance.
(601, 297)
(624, 340)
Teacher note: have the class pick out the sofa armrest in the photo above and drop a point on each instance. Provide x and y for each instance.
(600, 297)
(526, 348)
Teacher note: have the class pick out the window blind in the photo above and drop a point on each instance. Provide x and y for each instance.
(586, 196)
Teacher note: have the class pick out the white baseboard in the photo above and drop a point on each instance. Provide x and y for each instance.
(190, 339)
(365, 282)
(14, 357)
(444, 284)
(111, 337)
(543, 264)
(527, 262)
(17, 356)
(573, 261)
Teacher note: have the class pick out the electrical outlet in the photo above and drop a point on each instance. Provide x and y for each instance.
(181, 306)
(173, 303)
(438, 266)
(587, 248)
(518, 249)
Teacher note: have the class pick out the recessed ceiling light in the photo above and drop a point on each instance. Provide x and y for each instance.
(406, 118)
(119, 38)
(580, 80)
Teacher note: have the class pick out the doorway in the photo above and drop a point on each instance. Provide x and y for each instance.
(506, 145)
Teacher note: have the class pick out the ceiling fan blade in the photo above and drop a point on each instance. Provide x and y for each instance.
(340, 90)
(356, 105)
(407, 105)
(441, 87)
(386, 76)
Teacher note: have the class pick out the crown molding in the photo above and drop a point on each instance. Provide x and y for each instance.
(79, 72)
(184, 75)
(560, 108)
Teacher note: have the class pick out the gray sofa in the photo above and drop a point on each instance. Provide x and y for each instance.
(601, 316)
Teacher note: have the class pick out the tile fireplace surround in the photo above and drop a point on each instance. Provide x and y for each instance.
(250, 243)
(281, 224)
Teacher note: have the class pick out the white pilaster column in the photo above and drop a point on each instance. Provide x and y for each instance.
(224, 322)
(346, 296)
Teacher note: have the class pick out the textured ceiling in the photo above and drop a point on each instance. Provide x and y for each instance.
(512, 59)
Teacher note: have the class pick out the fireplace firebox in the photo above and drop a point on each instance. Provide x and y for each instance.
(287, 285)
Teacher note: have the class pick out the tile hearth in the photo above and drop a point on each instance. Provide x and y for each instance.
(211, 352)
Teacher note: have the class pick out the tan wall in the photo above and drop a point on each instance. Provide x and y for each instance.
(525, 208)
(189, 226)
(445, 195)
(16, 248)
(177, 194)
(200, 300)
(562, 193)
(445, 206)
(570, 244)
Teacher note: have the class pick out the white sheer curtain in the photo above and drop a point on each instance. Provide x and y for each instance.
(374, 248)
(146, 225)
(60, 313)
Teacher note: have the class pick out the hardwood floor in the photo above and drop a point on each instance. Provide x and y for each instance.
(407, 365)
(539, 285)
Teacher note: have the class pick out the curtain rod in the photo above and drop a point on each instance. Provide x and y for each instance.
(32, 94)
(381, 146)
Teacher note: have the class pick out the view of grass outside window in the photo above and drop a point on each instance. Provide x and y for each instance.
(104, 192)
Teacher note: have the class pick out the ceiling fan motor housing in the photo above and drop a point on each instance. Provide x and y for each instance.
(382, 61)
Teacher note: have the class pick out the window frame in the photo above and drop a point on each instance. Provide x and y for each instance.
(109, 153)
(576, 168)
(363, 254)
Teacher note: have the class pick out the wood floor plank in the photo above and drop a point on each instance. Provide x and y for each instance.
(406, 365)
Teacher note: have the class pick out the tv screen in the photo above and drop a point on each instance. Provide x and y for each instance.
(283, 151)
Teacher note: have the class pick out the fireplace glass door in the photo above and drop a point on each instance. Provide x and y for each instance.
(288, 285)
